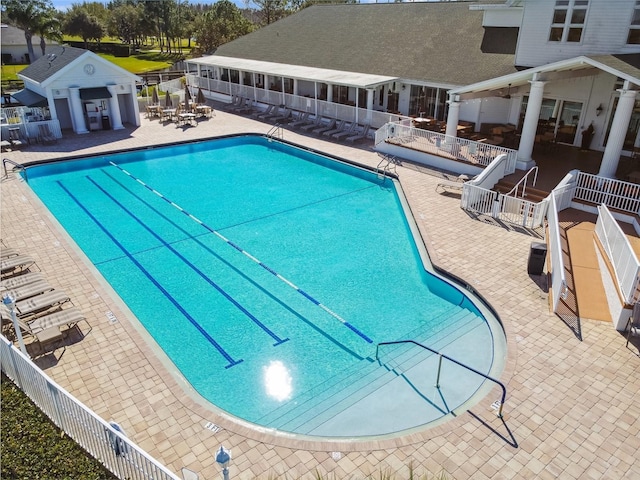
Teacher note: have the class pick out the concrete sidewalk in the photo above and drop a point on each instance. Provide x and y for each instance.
(572, 408)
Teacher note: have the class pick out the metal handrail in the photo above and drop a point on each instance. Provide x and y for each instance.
(4, 165)
(276, 132)
(441, 356)
(514, 190)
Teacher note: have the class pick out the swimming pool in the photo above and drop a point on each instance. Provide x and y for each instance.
(268, 275)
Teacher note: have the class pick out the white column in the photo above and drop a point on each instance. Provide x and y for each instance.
(370, 93)
(452, 117)
(530, 125)
(77, 114)
(136, 107)
(617, 133)
(295, 86)
(329, 93)
(114, 108)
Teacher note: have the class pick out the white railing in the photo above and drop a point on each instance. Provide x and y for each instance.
(349, 113)
(115, 451)
(520, 211)
(478, 199)
(558, 276)
(616, 194)
(402, 133)
(620, 253)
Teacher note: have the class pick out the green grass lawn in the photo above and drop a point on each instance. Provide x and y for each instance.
(145, 61)
(33, 447)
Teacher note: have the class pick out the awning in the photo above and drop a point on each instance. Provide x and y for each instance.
(337, 77)
(94, 93)
(30, 98)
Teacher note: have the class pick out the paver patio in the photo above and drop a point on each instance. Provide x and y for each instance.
(572, 410)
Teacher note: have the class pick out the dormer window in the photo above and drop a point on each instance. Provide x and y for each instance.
(569, 17)
(634, 28)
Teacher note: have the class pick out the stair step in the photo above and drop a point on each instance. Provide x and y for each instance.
(337, 393)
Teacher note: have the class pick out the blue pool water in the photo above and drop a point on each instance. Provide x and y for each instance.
(192, 236)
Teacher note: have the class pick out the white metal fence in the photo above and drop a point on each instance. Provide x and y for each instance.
(616, 194)
(28, 121)
(114, 450)
(558, 276)
(620, 253)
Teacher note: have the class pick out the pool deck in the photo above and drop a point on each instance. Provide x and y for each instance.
(572, 409)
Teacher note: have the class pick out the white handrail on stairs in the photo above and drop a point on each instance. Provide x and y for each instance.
(523, 181)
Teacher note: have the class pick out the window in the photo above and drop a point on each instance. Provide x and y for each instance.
(634, 28)
(569, 17)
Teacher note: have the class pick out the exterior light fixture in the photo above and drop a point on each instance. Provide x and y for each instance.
(223, 457)
(599, 110)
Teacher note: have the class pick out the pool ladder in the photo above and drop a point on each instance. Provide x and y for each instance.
(497, 405)
(15, 164)
(387, 164)
(276, 132)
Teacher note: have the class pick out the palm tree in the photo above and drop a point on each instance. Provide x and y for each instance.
(28, 15)
(48, 29)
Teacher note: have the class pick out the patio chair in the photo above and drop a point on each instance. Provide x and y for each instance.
(20, 280)
(633, 325)
(15, 138)
(35, 306)
(346, 132)
(260, 114)
(360, 136)
(286, 115)
(29, 290)
(8, 252)
(16, 264)
(236, 102)
(303, 119)
(45, 135)
(329, 126)
(452, 185)
(338, 128)
(46, 328)
(276, 112)
(315, 123)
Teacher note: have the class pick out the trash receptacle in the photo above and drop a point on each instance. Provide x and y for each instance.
(106, 125)
(537, 256)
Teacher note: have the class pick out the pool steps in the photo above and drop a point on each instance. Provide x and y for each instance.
(355, 383)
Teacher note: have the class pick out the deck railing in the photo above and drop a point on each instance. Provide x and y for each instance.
(616, 194)
(115, 451)
(558, 276)
(620, 253)
(481, 154)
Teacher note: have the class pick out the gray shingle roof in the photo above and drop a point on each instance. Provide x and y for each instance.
(55, 60)
(435, 42)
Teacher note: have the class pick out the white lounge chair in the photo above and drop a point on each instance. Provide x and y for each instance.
(20, 280)
(29, 290)
(267, 112)
(303, 119)
(338, 128)
(360, 136)
(346, 132)
(45, 135)
(329, 126)
(39, 304)
(15, 264)
(452, 184)
(313, 124)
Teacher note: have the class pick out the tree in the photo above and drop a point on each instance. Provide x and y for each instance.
(48, 28)
(79, 22)
(124, 23)
(220, 24)
(30, 16)
(273, 10)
